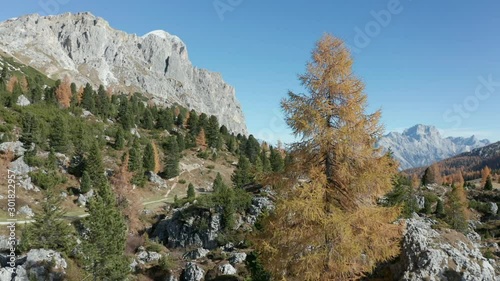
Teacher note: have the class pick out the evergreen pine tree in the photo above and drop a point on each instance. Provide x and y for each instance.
(192, 123)
(103, 104)
(427, 206)
(440, 208)
(242, 174)
(180, 119)
(212, 132)
(165, 119)
(252, 149)
(181, 143)
(85, 183)
(103, 248)
(59, 139)
(50, 95)
(36, 93)
(119, 139)
(30, 130)
(171, 167)
(88, 101)
(149, 158)
(52, 161)
(218, 183)
(488, 185)
(202, 122)
(135, 160)
(276, 160)
(147, 119)
(223, 130)
(266, 164)
(125, 114)
(94, 166)
(191, 194)
(49, 230)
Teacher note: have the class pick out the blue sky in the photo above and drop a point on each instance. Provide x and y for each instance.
(423, 61)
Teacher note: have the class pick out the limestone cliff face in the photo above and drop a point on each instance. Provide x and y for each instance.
(87, 49)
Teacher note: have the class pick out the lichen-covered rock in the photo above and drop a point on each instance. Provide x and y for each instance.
(226, 269)
(493, 208)
(144, 257)
(15, 147)
(193, 227)
(196, 254)
(27, 211)
(237, 258)
(86, 48)
(23, 101)
(429, 254)
(20, 167)
(84, 198)
(154, 178)
(193, 272)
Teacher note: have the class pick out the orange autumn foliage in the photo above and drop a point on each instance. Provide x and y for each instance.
(63, 93)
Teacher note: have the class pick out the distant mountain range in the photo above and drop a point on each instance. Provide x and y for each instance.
(468, 163)
(422, 145)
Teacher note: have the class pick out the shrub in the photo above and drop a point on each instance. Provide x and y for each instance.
(46, 180)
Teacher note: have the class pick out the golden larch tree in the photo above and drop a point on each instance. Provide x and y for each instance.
(63, 93)
(201, 139)
(329, 227)
(127, 198)
(485, 172)
(457, 212)
(158, 161)
(11, 84)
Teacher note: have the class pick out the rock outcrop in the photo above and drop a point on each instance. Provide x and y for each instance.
(189, 228)
(431, 254)
(38, 264)
(87, 49)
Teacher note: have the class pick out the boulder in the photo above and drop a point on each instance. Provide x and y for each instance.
(15, 147)
(135, 132)
(27, 211)
(144, 257)
(493, 208)
(84, 198)
(20, 167)
(86, 113)
(237, 258)
(193, 272)
(259, 205)
(189, 227)
(420, 202)
(154, 178)
(226, 269)
(4, 243)
(22, 101)
(5, 274)
(196, 254)
(27, 184)
(430, 254)
(36, 257)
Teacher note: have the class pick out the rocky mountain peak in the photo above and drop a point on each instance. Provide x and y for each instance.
(422, 131)
(422, 145)
(88, 50)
